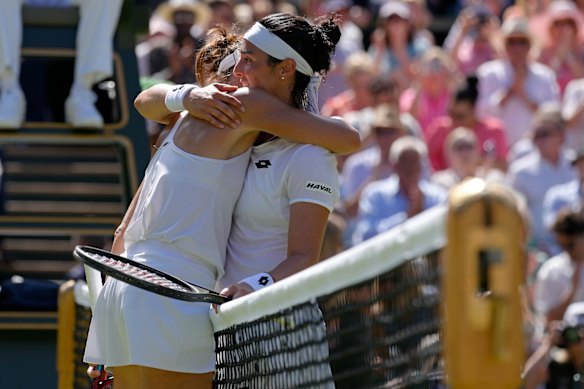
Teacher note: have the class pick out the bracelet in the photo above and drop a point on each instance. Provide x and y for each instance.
(174, 97)
(258, 281)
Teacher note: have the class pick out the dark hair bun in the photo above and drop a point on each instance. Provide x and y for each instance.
(329, 30)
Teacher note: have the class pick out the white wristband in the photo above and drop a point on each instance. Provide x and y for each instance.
(174, 98)
(258, 281)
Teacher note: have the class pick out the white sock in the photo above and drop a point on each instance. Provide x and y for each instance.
(9, 83)
(78, 88)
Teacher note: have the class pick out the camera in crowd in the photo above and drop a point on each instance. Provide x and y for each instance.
(571, 335)
(572, 328)
(482, 15)
(482, 18)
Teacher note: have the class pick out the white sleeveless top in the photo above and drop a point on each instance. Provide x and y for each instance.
(183, 216)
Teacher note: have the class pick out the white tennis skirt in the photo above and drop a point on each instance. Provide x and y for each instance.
(131, 326)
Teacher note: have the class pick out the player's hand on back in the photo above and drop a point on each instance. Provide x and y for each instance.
(215, 104)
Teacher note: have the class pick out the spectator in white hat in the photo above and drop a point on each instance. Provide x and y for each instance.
(512, 88)
(394, 44)
(563, 49)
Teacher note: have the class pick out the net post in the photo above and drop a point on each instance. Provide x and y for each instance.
(65, 335)
(483, 264)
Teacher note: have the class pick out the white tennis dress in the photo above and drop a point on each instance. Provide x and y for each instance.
(180, 226)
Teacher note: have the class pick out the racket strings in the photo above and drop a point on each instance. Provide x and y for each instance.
(139, 273)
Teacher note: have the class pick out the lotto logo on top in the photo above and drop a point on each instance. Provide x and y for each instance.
(263, 164)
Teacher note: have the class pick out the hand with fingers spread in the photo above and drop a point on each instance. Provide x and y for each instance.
(215, 105)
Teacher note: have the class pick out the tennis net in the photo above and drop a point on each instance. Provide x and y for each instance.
(370, 317)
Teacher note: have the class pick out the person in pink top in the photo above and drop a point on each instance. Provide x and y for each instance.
(430, 97)
(474, 42)
(359, 70)
(462, 113)
(563, 48)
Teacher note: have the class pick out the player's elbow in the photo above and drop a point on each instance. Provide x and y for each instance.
(351, 143)
(354, 142)
(140, 102)
(351, 140)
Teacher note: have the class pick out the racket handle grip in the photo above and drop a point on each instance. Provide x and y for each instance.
(95, 384)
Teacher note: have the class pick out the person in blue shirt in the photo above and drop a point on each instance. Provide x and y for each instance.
(558, 197)
(386, 203)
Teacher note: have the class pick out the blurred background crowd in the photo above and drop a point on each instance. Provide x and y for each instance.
(497, 94)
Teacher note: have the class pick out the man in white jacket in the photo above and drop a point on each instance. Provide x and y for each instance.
(94, 60)
(512, 88)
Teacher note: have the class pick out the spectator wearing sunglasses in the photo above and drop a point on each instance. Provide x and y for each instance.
(373, 163)
(559, 280)
(489, 131)
(512, 88)
(463, 153)
(547, 164)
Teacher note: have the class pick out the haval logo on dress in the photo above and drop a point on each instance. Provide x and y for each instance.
(318, 187)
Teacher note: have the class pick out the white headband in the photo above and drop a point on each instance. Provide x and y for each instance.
(228, 62)
(274, 46)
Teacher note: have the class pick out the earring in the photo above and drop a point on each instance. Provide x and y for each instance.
(283, 78)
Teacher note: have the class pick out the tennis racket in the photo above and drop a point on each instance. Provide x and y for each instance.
(94, 285)
(145, 277)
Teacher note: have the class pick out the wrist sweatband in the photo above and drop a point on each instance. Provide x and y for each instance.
(258, 281)
(174, 97)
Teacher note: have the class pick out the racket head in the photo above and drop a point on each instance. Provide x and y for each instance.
(145, 277)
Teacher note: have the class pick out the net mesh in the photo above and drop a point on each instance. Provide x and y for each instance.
(81, 327)
(287, 349)
(386, 331)
(383, 331)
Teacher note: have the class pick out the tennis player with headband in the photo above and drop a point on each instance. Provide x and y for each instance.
(179, 220)
(282, 212)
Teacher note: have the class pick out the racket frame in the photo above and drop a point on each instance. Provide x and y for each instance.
(85, 255)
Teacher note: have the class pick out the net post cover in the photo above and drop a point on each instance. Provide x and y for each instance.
(484, 269)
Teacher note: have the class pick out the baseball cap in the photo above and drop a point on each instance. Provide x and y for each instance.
(386, 116)
(516, 27)
(395, 7)
(574, 315)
